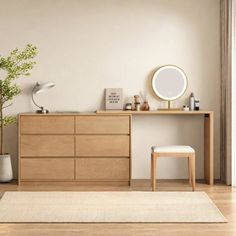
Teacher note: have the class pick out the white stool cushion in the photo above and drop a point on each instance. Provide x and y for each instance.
(173, 148)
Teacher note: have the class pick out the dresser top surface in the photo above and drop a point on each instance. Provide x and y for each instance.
(58, 114)
(120, 112)
(156, 112)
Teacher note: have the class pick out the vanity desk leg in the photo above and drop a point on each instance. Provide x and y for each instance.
(209, 148)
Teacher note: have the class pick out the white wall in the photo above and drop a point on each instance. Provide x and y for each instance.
(88, 45)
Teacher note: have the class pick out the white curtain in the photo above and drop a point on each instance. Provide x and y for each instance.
(234, 93)
(226, 91)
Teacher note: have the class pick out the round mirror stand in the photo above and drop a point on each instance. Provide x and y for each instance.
(169, 105)
(169, 108)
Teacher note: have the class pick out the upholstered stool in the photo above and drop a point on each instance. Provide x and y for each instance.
(173, 151)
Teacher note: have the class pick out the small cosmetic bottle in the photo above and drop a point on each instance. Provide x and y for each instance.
(185, 108)
(128, 106)
(137, 106)
(197, 104)
(191, 102)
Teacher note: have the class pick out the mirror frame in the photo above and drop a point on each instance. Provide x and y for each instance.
(154, 79)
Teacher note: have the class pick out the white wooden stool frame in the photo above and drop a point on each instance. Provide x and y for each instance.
(191, 165)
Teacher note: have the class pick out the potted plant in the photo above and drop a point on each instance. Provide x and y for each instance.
(16, 65)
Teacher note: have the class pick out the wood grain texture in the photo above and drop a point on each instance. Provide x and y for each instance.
(192, 170)
(209, 148)
(102, 145)
(102, 124)
(130, 150)
(47, 168)
(47, 145)
(42, 137)
(102, 168)
(208, 133)
(223, 196)
(19, 149)
(153, 112)
(64, 184)
(191, 165)
(42, 124)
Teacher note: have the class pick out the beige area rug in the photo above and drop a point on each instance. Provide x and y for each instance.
(69, 207)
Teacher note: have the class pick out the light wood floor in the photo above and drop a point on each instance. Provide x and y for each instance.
(223, 196)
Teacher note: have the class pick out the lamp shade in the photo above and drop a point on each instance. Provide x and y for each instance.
(39, 88)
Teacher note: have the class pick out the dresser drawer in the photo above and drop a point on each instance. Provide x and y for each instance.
(102, 145)
(102, 124)
(47, 169)
(47, 145)
(47, 124)
(102, 169)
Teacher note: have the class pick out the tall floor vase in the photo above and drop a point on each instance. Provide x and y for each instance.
(6, 173)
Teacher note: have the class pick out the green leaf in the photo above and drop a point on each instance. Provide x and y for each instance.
(17, 64)
(7, 120)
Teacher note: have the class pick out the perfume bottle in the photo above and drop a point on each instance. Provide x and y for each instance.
(145, 106)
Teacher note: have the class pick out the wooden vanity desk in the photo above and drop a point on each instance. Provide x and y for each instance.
(88, 148)
(208, 133)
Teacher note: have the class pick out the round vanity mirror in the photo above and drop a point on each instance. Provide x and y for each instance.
(169, 82)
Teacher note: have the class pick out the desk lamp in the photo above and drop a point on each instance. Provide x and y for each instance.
(39, 88)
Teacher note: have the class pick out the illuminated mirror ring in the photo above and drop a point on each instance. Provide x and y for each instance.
(169, 82)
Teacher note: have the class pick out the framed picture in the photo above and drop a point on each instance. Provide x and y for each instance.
(114, 99)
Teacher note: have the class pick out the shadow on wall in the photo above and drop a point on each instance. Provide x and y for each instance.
(149, 83)
(11, 137)
(11, 132)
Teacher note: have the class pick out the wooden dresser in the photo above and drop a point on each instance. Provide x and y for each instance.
(74, 149)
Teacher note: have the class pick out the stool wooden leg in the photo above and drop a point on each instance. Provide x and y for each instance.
(151, 177)
(189, 171)
(154, 158)
(192, 157)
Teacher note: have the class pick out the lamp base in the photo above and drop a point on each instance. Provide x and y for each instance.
(42, 111)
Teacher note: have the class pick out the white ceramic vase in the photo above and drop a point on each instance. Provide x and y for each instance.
(6, 173)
